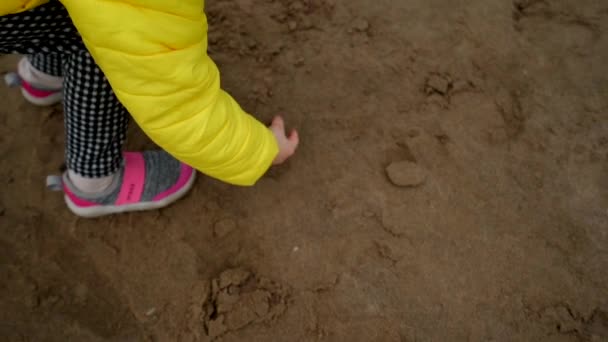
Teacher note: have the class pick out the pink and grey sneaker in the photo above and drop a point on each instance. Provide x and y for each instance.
(37, 87)
(147, 181)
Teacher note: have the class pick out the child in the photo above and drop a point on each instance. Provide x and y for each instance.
(153, 54)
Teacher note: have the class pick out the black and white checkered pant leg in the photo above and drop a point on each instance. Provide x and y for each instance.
(96, 122)
(44, 29)
(48, 63)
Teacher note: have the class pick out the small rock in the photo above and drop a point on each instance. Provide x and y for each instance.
(292, 25)
(299, 61)
(151, 312)
(438, 84)
(361, 25)
(406, 174)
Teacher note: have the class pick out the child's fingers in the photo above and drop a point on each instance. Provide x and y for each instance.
(294, 138)
(278, 122)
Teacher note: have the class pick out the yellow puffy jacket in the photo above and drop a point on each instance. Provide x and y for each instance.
(153, 52)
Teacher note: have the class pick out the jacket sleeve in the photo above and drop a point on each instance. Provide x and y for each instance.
(16, 6)
(153, 53)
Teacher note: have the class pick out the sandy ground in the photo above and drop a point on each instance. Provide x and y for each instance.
(501, 105)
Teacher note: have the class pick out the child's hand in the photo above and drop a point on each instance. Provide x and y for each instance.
(287, 145)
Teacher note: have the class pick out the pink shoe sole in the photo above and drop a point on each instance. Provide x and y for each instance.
(33, 95)
(43, 101)
(130, 194)
(105, 210)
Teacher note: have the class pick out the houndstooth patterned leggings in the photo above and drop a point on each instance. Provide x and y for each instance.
(95, 121)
